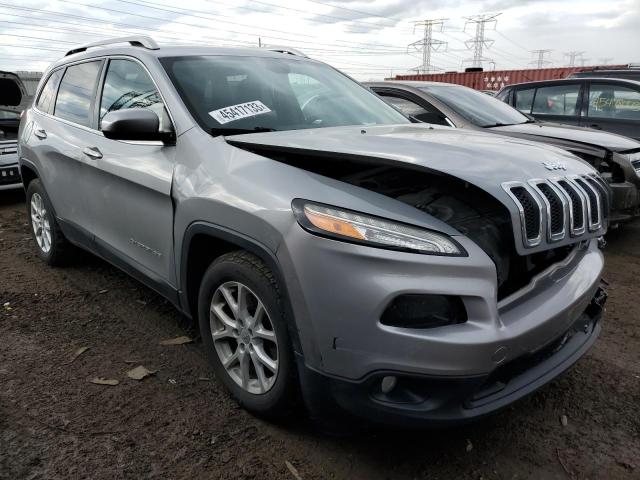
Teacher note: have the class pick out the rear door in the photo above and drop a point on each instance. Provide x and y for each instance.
(131, 181)
(61, 127)
(613, 107)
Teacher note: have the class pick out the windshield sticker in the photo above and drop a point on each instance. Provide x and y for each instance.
(236, 112)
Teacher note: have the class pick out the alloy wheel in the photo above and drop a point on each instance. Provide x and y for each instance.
(243, 337)
(40, 223)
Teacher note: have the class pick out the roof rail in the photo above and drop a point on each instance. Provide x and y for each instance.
(287, 50)
(136, 41)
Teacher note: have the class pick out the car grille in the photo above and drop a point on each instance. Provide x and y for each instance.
(9, 175)
(561, 208)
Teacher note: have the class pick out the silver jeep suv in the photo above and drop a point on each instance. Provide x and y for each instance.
(330, 249)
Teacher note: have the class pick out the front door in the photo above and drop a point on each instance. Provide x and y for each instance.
(130, 197)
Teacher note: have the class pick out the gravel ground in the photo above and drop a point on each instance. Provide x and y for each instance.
(179, 423)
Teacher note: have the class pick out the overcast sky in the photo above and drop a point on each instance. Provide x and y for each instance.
(367, 39)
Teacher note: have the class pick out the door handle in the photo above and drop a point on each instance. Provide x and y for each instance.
(595, 126)
(40, 133)
(92, 152)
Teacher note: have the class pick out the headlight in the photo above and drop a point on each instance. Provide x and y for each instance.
(373, 231)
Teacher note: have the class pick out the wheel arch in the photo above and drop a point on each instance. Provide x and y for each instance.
(203, 242)
(28, 173)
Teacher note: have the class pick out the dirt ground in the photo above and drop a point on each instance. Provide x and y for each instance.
(179, 423)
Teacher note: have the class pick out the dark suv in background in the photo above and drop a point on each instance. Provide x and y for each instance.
(609, 104)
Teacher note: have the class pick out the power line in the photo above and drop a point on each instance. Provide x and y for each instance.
(428, 44)
(363, 51)
(367, 24)
(479, 42)
(368, 14)
(193, 15)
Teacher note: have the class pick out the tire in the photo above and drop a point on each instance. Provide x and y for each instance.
(272, 394)
(51, 245)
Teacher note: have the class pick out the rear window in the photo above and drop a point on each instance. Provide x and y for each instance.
(45, 100)
(76, 93)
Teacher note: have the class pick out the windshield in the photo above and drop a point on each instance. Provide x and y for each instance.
(478, 108)
(232, 94)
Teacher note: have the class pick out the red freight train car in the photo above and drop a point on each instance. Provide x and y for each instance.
(496, 79)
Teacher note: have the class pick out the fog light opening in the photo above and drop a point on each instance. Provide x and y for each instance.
(388, 384)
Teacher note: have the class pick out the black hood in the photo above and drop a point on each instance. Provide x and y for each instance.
(569, 133)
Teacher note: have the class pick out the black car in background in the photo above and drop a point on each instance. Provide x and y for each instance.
(617, 158)
(609, 104)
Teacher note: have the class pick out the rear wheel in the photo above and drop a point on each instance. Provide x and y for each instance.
(245, 333)
(50, 242)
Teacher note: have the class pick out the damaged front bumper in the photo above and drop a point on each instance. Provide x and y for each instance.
(422, 400)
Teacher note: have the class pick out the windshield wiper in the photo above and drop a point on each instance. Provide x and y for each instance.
(497, 125)
(239, 131)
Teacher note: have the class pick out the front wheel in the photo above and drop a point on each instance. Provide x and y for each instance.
(244, 331)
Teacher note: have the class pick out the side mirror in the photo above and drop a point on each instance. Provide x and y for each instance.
(134, 124)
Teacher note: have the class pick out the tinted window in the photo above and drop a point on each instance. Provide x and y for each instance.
(557, 100)
(407, 107)
(127, 85)
(480, 109)
(524, 99)
(248, 93)
(76, 91)
(614, 101)
(425, 114)
(45, 101)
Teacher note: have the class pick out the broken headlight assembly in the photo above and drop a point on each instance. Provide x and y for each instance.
(634, 158)
(364, 229)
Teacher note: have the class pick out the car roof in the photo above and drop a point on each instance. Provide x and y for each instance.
(561, 81)
(174, 51)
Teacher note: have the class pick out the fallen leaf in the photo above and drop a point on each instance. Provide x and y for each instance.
(177, 341)
(293, 470)
(564, 420)
(469, 445)
(103, 291)
(104, 381)
(141, 302)
(139, 373)
(79, 352)
(172, 381)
